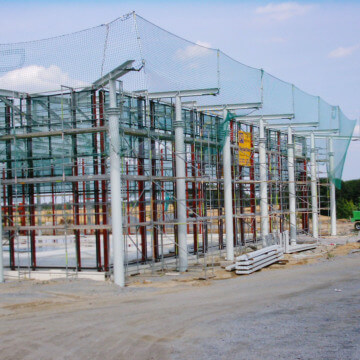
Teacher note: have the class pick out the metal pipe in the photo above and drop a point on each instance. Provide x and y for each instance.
(314, 200)
(292, 192)
(1, 242)
(104, 185)
(115, 180)
(180, 185)
(332, 188)
(228, 196)
(264, 206)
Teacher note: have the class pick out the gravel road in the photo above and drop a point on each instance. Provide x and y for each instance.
(304, 312)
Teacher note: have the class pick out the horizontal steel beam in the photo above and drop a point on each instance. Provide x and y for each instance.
(181, 93)
(12, 94)
(293, 124)
(221, 107)
(115, 74)
(41, 134)
(265, 117)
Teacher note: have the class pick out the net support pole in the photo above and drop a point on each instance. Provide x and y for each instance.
(1, 241)
(332, 188)
(180, 185)
(228, 195)
(264, 206)
(314, 199)
(115, 181)
(292, 192)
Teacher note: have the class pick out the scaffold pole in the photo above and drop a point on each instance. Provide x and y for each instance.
(332, 188)
(314, 200)
(228, 196)
(292, 191)
(264, 206)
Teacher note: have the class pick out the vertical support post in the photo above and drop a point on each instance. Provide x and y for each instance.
(1, 241)
(84, 194)
(31, 187)
(252, 187)
(332, 188)
(241, 195)
(292, 193)
(115, 181)
(104, 187)
(141, 183)
(233, 186)
(228, 204)
(314, 199)
(51, 167)
(305, 215)
(220, 204)
(9, 175)
(264, 206)
(96, 182)
(193, 185)
(154, 187)
(180, 185)
(162, 192)
(75, 185)
(279, 189)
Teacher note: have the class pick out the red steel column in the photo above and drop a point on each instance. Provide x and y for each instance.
(141, 183)
(252, 186)
(162, 191)
(10, 209)
(280, 179)
(305, 215)
(104, 189)
(154, 186)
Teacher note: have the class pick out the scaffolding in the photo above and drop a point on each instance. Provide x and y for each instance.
(172, 179)
(55, 179)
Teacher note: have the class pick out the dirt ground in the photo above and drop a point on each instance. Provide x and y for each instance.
(285, 311)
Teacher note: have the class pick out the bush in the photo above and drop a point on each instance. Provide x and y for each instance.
(344, 208)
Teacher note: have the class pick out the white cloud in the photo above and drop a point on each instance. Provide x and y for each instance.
(35, 78)
(343, 51)
(282, 11)
(200, 49)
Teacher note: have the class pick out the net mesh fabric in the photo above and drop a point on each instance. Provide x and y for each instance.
(165, 62)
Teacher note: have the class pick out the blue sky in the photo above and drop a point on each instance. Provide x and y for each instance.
(313, 44)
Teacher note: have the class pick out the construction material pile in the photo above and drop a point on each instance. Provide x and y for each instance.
(256, 260)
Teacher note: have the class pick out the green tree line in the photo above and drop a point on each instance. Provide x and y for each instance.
(347, 198)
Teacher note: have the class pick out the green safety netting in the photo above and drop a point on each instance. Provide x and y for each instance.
(164, 62)
(224, 128)
(340, 147)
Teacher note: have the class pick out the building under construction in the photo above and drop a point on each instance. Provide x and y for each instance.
(161, 151)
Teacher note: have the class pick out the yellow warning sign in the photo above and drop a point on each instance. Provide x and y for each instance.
(244, 143)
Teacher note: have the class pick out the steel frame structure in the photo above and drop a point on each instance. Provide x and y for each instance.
(56, 192)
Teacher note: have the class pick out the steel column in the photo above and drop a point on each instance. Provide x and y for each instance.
(75, 185)
(314, 197)
(180, 185)
(141, 183)
(115, 181)
(292, 191)
(228, 195)
(104, 189)
(264, 206)
(96, 182)
(332, 188)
